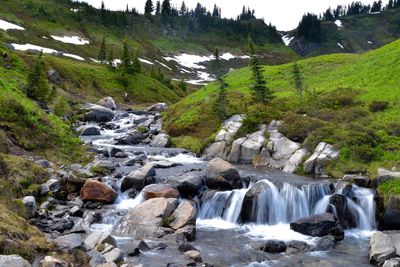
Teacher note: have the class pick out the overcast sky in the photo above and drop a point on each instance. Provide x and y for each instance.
(285, 14)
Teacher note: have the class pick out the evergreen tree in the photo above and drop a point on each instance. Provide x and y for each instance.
(216, 12)
(183, 11)
(390, 4)
(110, 59)
(102, 57)
(136, 67)
(261, 92)
(38, 87)
(166, 8)
(221, 101)
(103, 13)
(310, 28)
(297, 78)
(148, 8)
(158, 8)
(126, 61)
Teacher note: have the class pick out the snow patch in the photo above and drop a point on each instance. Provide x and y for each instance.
(45, 50)
(4, 25)
(227, 56)
(203, 78)
(286, 39)
(95, 60)
(76, 40)
(340, 45)
(146, 61)
(338, 23)
(162, 64)
(190, 61)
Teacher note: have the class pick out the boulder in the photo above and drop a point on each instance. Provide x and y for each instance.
(235, 153)
(274, 246)
(30, 205)
(159, 190)
(383, 175)
(53, 185)
(146, 220)
(381, 248)
(13, 261)
(160, 140)
(359, 180)
(281, 149)
(294, 161)
(341, 210)
(319, 225)
(297, 247)
(107, 102)
(91, 131)
(97, 113)
(136, 247)
(53, 76)
(139, 178)
(325, 243)
(188, 184)
(96, 238)
(193, 255)
(188, 232)
(50, 261)
(316, 163)
(216, 149)
(113, 255)
(94, 190)
(219, 172)
(249, 208)
(69, 242)
(391, 216)
(132, 139)
(251, 147)
(184, 214)
(158, 107)
(395, 262)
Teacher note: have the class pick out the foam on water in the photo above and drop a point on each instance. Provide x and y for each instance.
(124, 202)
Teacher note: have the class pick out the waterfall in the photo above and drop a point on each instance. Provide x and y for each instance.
(272, 206)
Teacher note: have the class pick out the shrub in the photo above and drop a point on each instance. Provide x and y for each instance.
(377, 106)
(298, 127)
(394, 129)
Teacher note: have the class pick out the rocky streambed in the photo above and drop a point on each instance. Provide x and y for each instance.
(140, 203)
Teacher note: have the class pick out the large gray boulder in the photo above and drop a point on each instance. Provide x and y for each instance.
(281, 149)
(98, 237)
(224, 137)
(317, 162)
(107, 102)
(220, 173)
(184, 214)
(30, 205)
(69, 242)
(319, 225)
(294, 161)
(381, 248)
(188, 184)
(146, 220)
(160, 140)
(138, 179)
(97, 113)
(235, 153)
(90, 131)
(246, 149)
(250, 204)
(13, 261)
(391, 216)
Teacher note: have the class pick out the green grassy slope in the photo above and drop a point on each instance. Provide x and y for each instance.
(338, 90)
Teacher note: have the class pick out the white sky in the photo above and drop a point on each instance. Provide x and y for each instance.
(285, 14)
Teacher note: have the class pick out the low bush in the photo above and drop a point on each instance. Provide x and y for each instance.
(378, 106)
(297, 127)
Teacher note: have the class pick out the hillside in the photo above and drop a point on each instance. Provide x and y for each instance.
(338, 90)
(352, 34)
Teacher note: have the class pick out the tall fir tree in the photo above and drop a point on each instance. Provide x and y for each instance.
(183, 11)
(158, 8)
(297, 78)
(110, 60)
(148, 8)
(261, 92)
(102, 57)
(126, 61)
(38, 87)
(103, 13)
(166, 8)
(221, 101)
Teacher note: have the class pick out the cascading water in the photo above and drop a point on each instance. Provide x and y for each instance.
(274, 206)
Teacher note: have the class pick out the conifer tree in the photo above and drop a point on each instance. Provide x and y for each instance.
(103, 13)
(126, 61)
(158, 8)
(297, 78)
(183, 10)
(221, 101)
(166, 8)
(110, 59)
(148, 8)
(102, 53)
(261, 92)
(38, 87)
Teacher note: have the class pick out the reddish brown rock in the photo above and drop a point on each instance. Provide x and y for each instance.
(160, 190)
(94, 190)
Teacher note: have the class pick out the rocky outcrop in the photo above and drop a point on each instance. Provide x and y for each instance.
(383, 175)
(381, 248)
(319, 225)
(97, 113)
(107, 102)
(138, 179)
(158, 107)
(294, 161)
(96, 191)
(247, 148)
(391, 216)
(146, 220)
(224, 137)
(159, 190)
(281, 150)
(222, 175)
(317, 162)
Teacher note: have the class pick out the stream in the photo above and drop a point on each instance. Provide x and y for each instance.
(221, 237)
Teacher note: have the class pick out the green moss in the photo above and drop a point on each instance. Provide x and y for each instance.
(191, 143)
(389, 188)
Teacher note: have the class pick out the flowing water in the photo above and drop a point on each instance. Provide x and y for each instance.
(221, 236)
